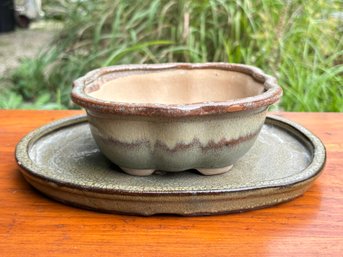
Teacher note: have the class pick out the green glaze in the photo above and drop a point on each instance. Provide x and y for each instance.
(176, 144)
(176, 116)
(63, 161)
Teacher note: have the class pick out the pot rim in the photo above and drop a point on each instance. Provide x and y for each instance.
(271, 94)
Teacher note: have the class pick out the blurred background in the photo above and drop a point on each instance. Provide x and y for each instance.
(45, 45)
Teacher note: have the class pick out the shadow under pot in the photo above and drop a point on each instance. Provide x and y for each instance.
(177, 116)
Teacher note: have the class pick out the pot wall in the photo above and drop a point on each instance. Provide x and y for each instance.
(175, 144)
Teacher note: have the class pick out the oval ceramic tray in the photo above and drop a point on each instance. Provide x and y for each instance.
(62, 160)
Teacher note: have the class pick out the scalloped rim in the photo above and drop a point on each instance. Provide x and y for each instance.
(271, 95)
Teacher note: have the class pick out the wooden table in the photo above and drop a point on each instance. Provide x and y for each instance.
(33, 225)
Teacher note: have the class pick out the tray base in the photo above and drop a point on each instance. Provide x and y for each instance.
(62, 160)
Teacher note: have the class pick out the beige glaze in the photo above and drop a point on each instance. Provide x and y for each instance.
(179, 87)
(175, 117)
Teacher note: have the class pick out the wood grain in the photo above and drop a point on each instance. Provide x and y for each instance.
(33, 225)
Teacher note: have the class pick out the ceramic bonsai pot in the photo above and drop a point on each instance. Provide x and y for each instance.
(177, 116)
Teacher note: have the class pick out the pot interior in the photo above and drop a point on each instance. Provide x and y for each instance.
(176, 86)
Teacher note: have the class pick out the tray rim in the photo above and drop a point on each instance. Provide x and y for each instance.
(28, 167)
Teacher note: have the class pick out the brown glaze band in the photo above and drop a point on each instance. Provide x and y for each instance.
(182, 146)
(272, 92)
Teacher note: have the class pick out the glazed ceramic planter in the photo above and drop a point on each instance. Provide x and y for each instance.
(174, 117)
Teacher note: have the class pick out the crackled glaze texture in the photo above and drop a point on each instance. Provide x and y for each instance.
(175, 117)
(63, 161)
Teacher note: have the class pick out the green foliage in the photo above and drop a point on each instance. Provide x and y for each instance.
(296, 41)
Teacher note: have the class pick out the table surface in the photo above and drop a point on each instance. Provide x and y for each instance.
(33, 225)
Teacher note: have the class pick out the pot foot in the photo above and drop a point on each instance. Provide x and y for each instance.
(215, 171)
(138, 172)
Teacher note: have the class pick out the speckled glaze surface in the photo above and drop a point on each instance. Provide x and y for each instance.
(207, 136)
(63, 161)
